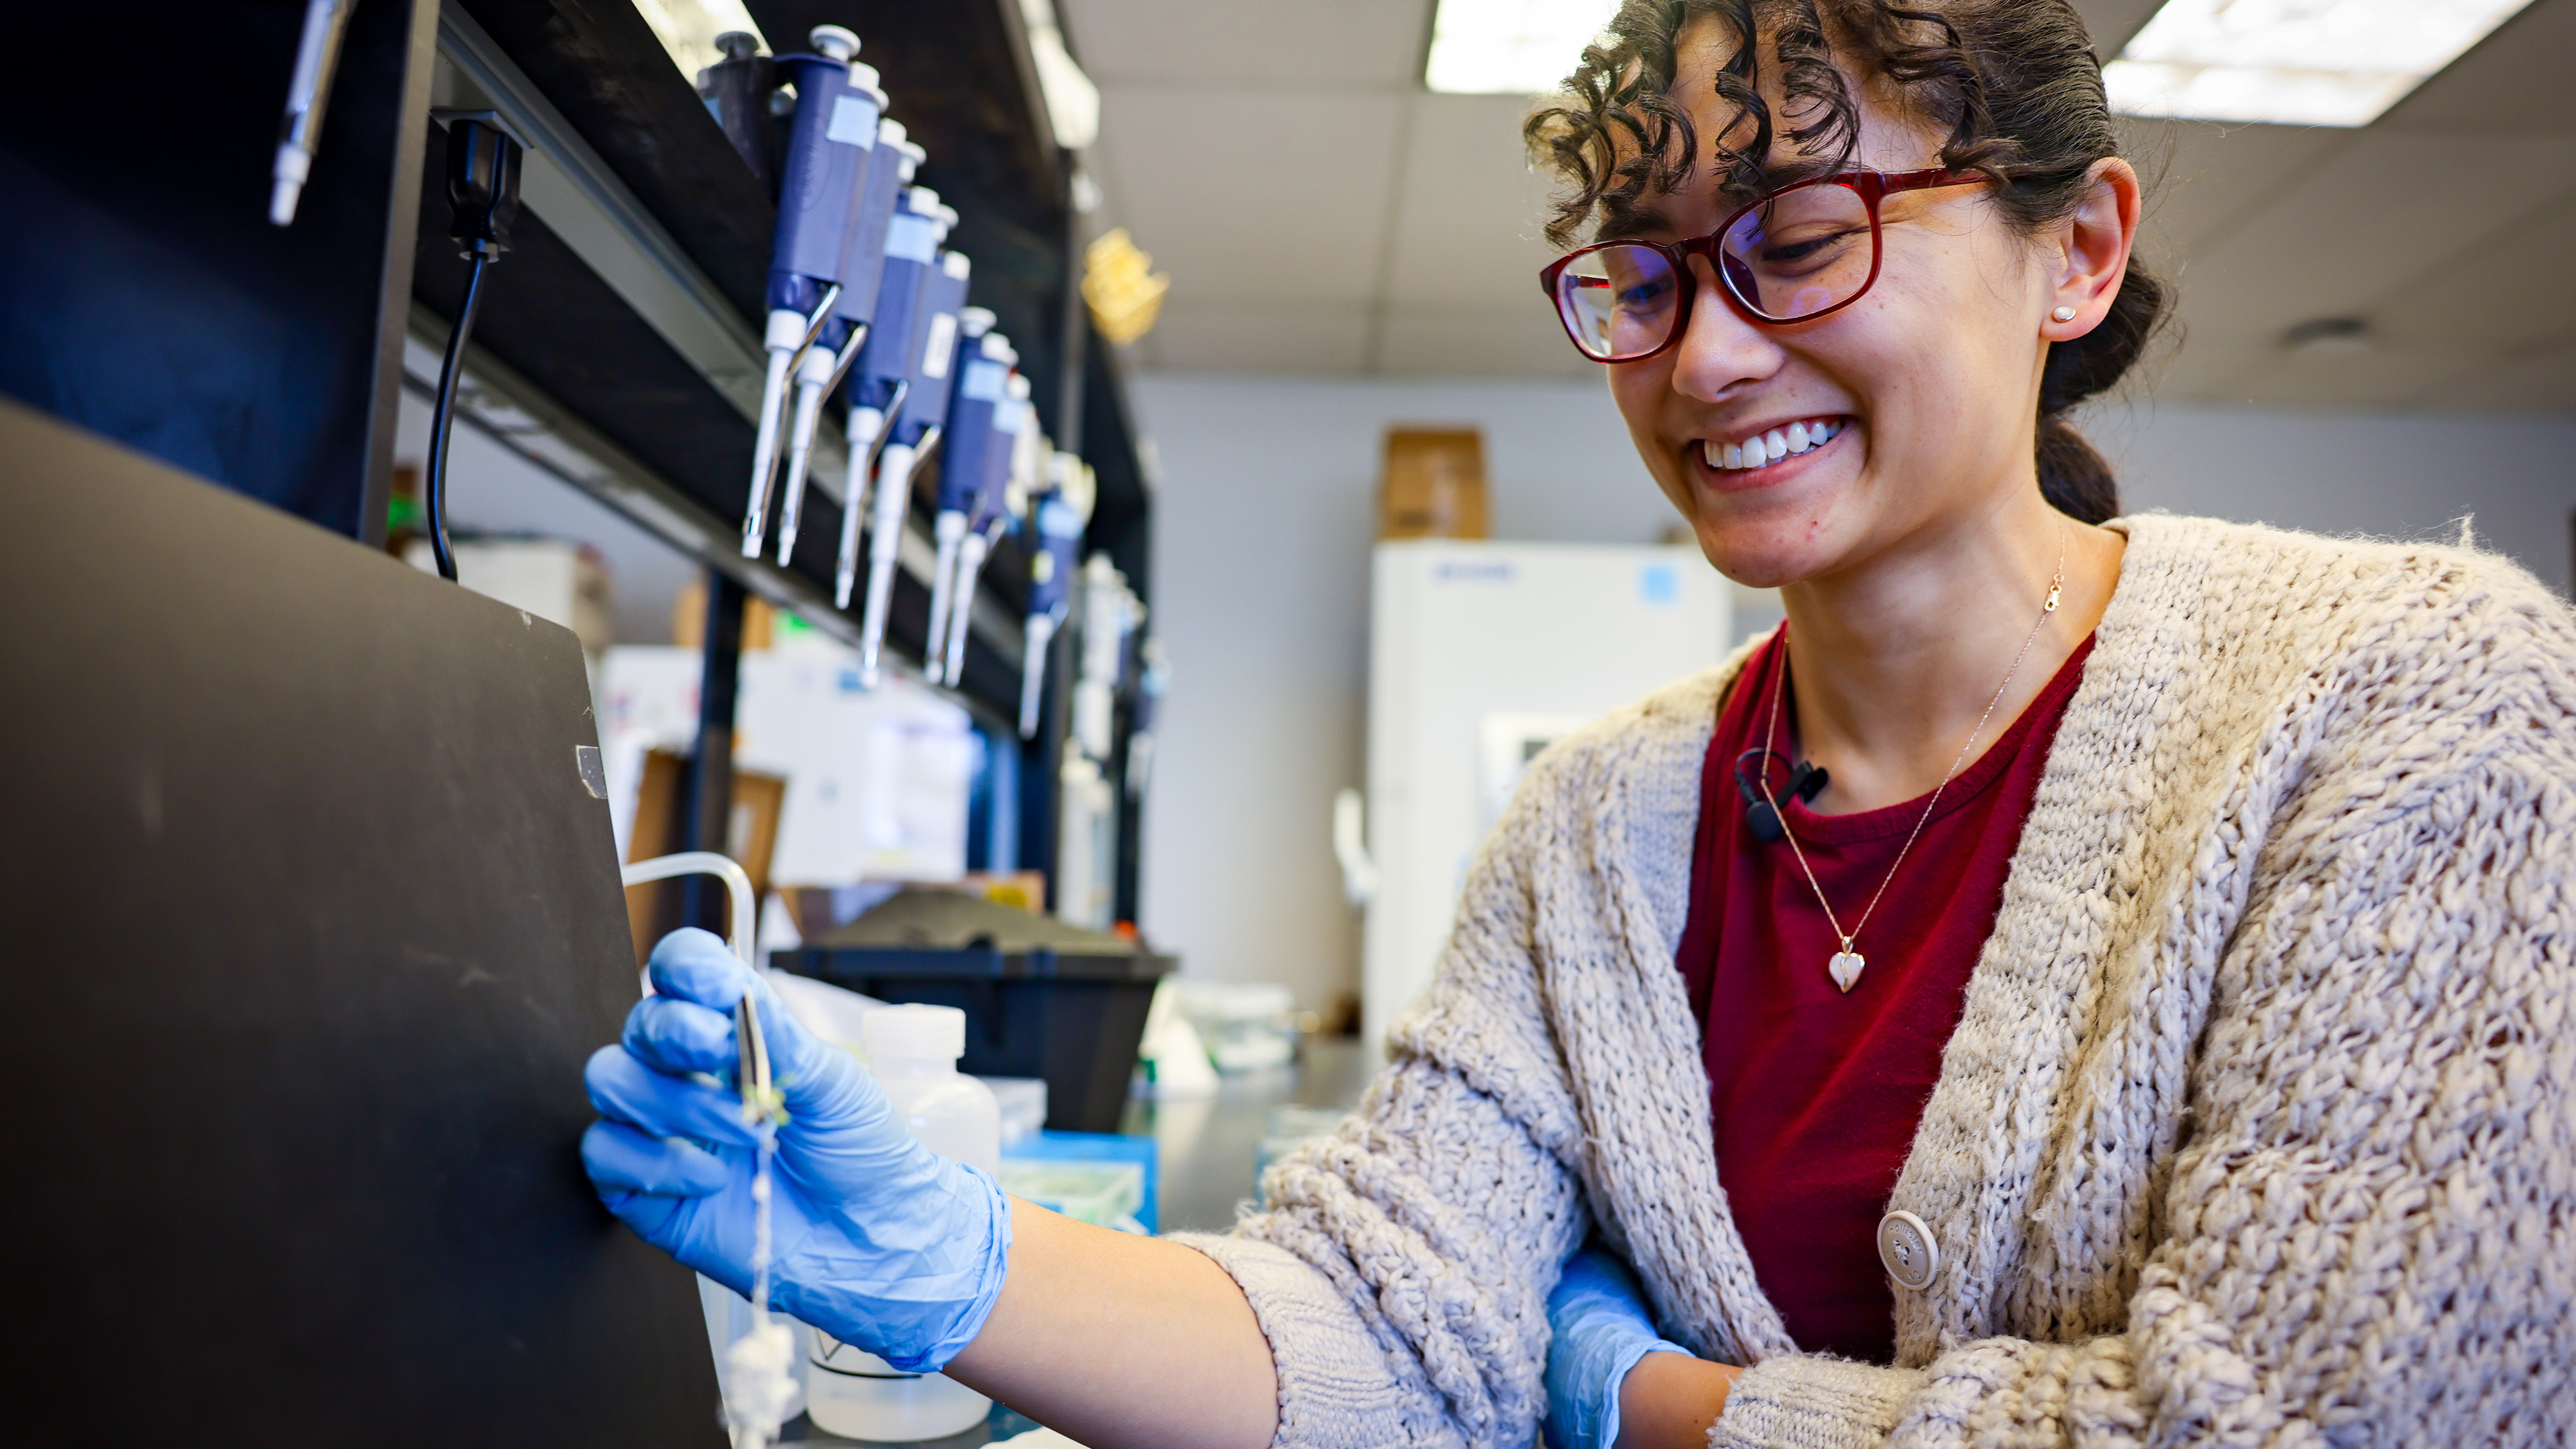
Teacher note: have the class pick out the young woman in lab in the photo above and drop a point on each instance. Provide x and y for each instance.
(2160, 1027)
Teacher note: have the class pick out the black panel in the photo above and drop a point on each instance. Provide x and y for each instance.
(143, 293)
(321, 927)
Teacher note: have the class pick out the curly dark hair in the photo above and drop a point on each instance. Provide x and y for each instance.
(2015, 84)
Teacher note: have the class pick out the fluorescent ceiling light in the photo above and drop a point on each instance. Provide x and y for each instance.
(688, 29)
(1510, 47)
(2296, 62)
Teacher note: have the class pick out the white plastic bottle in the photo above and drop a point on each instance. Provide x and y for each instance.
(913, 1051)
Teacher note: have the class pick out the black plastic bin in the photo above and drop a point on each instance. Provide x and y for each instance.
(1042, 999)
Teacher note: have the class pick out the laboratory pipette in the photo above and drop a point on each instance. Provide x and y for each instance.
(889, 355)
(845, 330)
(1003, 496)
(915, 434)
(805, 252)
(317, 55)
(971, 434)
(1057, 516)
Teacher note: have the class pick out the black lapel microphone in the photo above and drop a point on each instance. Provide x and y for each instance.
(1806, 782)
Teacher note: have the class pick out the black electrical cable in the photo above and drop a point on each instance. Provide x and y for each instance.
(434, 488)
(483, 195)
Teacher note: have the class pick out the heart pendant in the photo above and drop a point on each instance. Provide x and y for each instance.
(1845, 968)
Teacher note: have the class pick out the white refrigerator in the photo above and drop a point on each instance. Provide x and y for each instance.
(1481, 655)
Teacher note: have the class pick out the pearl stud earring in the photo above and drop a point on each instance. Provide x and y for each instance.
(2064, 314)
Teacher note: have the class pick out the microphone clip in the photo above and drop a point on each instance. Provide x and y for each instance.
(1806, 782)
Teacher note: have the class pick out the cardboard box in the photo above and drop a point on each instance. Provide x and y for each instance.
(653, 909)
(1434, 484)
(689, 618)
(557, 580)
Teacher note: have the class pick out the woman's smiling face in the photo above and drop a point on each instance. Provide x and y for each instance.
(1917, 403)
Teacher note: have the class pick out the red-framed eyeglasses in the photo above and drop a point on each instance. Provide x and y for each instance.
(1790, 255)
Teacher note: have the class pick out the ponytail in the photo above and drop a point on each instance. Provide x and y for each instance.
(2075, 479)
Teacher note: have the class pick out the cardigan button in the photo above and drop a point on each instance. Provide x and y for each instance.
(1906, 1248)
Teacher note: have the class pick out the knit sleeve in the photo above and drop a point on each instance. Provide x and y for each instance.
(1401, 1268)
(2369, 1233)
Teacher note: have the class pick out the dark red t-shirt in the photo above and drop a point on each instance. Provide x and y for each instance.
(1815, 1094)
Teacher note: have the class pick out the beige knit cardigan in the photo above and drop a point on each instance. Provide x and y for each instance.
(2257, 1128)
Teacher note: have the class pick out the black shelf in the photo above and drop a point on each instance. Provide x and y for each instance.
(632, 315)
(961, 82)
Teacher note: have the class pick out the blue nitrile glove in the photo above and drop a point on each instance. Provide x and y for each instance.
(1598, 1328)
(879, 1241)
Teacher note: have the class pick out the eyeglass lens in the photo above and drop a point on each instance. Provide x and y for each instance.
(1619, 301)
(1800, 253)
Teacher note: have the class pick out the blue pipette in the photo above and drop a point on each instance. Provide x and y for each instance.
(833, 128)
(1003, 496)
(860, 273)
(914, 432)
(890, 352)
(1058, 513)
(971, 435)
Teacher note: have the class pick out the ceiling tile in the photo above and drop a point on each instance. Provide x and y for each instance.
(2514, 80)
(1262, 197)
(2350, 231)
(2202, 179)
(1318, 212)
(1468, 208)
(2511, 291)
(1517, 341)
(1337, 45)
(1262, 339)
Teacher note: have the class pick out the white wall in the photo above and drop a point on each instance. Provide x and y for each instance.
(1266, 514)
(1261, 578)
(2392, 475)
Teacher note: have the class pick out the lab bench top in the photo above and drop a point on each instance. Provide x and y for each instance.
(1209, 1148)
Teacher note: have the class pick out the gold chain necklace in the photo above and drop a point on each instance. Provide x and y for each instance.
(1848, 963)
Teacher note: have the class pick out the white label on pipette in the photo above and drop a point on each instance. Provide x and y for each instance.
(984, 380)
(854, 121)
(912, 238)
(943, 341)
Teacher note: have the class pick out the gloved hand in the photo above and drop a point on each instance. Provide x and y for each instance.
(877, 1241)
(1599, 1328)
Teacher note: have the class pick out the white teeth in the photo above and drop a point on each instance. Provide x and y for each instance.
(1802, 436)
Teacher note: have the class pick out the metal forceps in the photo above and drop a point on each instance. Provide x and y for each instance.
(751, 1050)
